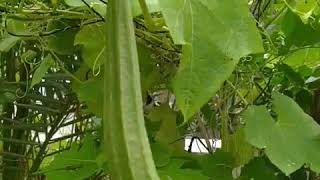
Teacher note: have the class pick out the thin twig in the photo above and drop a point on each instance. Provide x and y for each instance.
(204, 133)
(93, 10)
(238, 93)
(49, 33)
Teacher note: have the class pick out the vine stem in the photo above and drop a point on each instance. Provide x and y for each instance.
(295, 10)
(204, 133)
(238, 93)
(29, 12)
(275, 17)
(146, 14)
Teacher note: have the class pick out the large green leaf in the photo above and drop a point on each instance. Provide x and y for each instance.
(291, 141)
(215, 35)
(302, 7)
(168, 132)
(174, 171)
(161, 154)
(174, 14)
(261, 169)
(293, 76)
(218, 166)
(93, 101)
(297, 33)
(309, 57)
(238, 147)
(150, 76)
(77, 163)
(61, 42)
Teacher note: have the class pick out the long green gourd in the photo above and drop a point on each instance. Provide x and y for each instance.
(127, 147)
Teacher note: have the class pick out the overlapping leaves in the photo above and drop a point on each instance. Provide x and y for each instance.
(303, 8)
(77, 163)
(92, 38)
(291, 141)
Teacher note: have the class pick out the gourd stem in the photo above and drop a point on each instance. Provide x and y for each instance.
(146, 14)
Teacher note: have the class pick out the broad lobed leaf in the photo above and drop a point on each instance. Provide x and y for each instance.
(215, 36)
(291, 141)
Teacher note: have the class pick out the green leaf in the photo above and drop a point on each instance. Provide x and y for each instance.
(291, 75)
(7, 42)
(92, 38)
(77, 163)
(152, 127)
(302, 8)
(6, 97)
(215, 36)
(40, 72)
(175, 15)
(261, 169)
(97, 5)
(309, 57)
(238, 147)
(291, 141)
(61, 42)
(305, 100)
(150, 76)
(92, 100)
(20, 27)
(161, 154)
(168, 132)
(174, 171)
(100, 8)
(28, 56)
(297, 33)
(217, 166)
(129, 155)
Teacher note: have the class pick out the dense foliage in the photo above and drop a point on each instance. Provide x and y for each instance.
(94, 89)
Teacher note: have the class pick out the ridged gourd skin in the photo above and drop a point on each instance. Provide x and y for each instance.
(126, 142)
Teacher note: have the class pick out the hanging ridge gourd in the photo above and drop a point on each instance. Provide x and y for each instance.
(127, 147)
